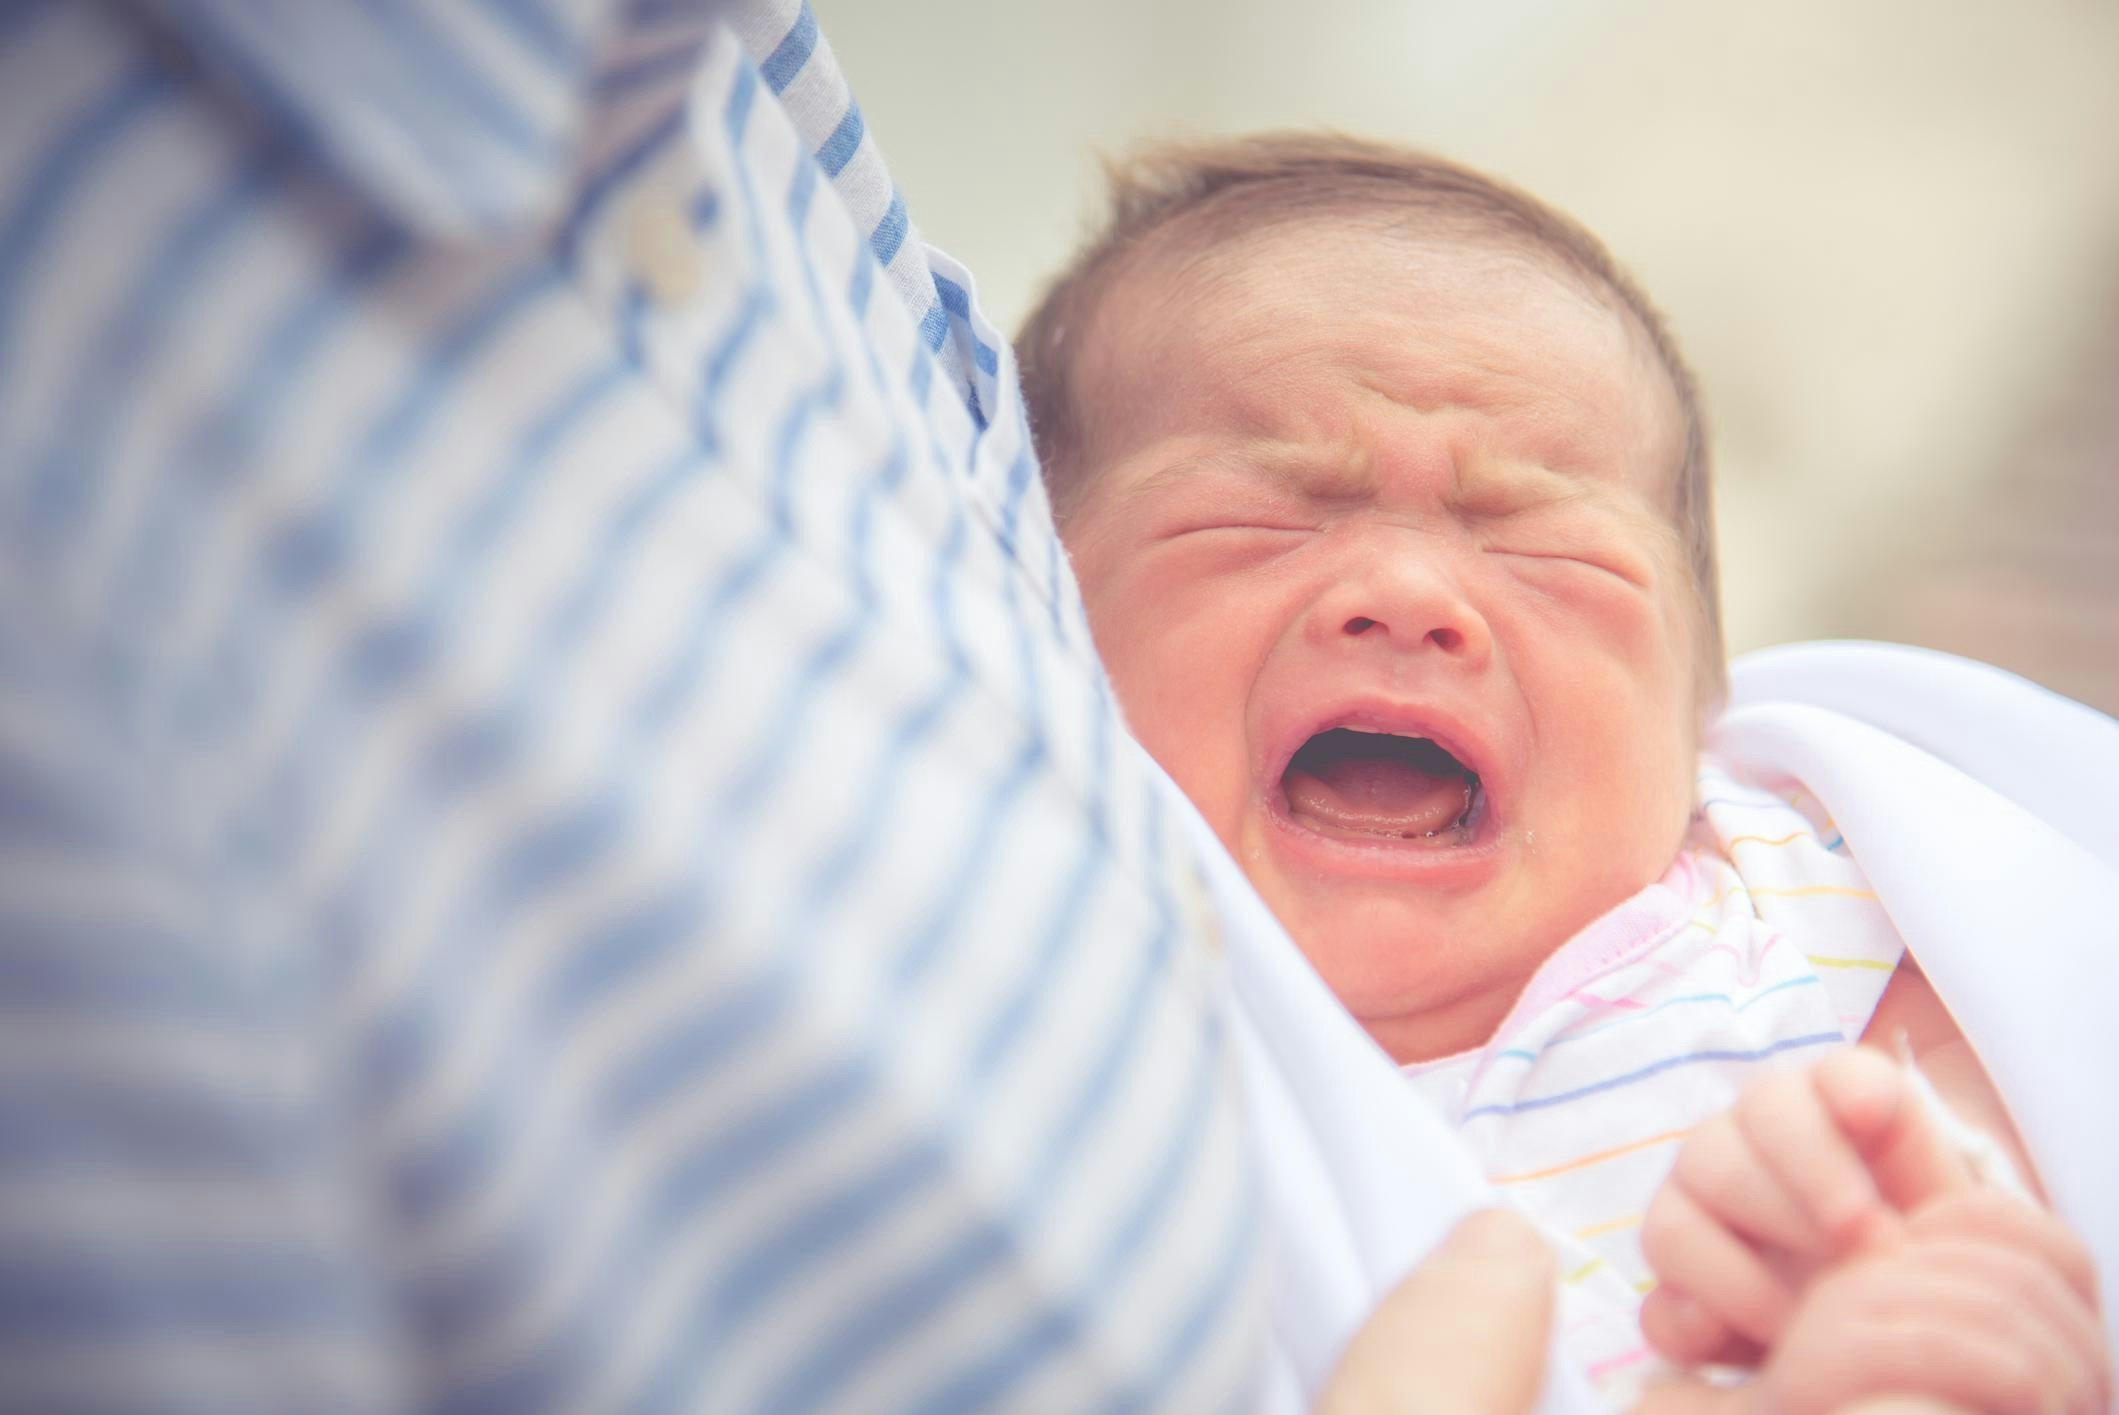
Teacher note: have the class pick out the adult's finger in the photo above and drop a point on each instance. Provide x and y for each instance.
(1994, 1216)
(1467, 1330)
(2055, 1358)
(1688, 1396)
(2028, 1302)
(1916, 1321)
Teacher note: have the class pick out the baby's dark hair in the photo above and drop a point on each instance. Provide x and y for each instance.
(1209, 193)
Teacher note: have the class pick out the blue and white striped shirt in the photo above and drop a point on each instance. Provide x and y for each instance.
(562, 842)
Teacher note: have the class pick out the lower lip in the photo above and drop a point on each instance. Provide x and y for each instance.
(1382, 857)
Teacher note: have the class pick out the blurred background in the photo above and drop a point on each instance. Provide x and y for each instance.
(1886, 231)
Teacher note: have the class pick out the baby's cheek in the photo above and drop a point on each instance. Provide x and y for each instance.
(1661, 798)
(1166, 630)
(1630, 723)
(1174, 685)
(1650, 649)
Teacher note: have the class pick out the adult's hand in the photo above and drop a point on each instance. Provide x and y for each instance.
(1465, 1332)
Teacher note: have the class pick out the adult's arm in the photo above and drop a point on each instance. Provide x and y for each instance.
(561, 841)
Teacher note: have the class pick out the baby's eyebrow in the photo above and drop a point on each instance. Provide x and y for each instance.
(1315, 476)
(1497, 489)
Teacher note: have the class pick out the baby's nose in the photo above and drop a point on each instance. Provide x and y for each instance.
(1446, 637)
(1404, 604)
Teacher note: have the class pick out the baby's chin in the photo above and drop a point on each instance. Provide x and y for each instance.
(1425, 977)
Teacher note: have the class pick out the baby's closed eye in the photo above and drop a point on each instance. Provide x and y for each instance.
(1224, 511)
(1552, 562)
(1236, 528)
(1231, 546)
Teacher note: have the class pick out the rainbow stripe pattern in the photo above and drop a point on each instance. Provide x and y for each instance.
(1760, 947)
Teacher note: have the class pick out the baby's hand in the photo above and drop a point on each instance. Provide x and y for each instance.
(1807, 1167)
(1984, 1300)
(1980, 1302)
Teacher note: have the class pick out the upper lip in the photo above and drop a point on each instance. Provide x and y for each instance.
(1454, 731)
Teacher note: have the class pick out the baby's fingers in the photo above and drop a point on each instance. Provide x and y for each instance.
(1685, 1333)
(1732, 1184)
(1798, 1137)
(1726, 1285)
(1912, 1159)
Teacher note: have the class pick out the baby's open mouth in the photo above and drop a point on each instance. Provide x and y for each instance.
(1350, 782)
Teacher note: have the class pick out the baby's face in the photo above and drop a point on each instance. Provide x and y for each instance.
(1375, 546)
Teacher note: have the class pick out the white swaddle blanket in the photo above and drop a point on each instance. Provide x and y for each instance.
(1982, 810)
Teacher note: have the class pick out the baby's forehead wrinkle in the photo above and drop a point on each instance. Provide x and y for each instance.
(1484, 480)
(1330, 473)
(1551, 428)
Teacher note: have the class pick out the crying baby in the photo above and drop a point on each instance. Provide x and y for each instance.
(1392, 520)
(1388, 496)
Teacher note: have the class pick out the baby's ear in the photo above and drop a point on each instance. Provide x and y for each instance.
(1879, 1105)
(1710, 695)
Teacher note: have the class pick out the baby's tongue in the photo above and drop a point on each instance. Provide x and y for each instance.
(1397, 786)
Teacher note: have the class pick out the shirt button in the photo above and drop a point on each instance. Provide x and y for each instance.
(661, 250)
(1201, 916)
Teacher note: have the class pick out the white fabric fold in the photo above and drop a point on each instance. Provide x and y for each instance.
(1994, 848)
(1360, 1180)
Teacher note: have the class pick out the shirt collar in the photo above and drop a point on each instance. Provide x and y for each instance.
(461, 119)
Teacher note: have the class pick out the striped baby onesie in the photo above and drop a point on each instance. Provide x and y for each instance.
(1760, 947)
